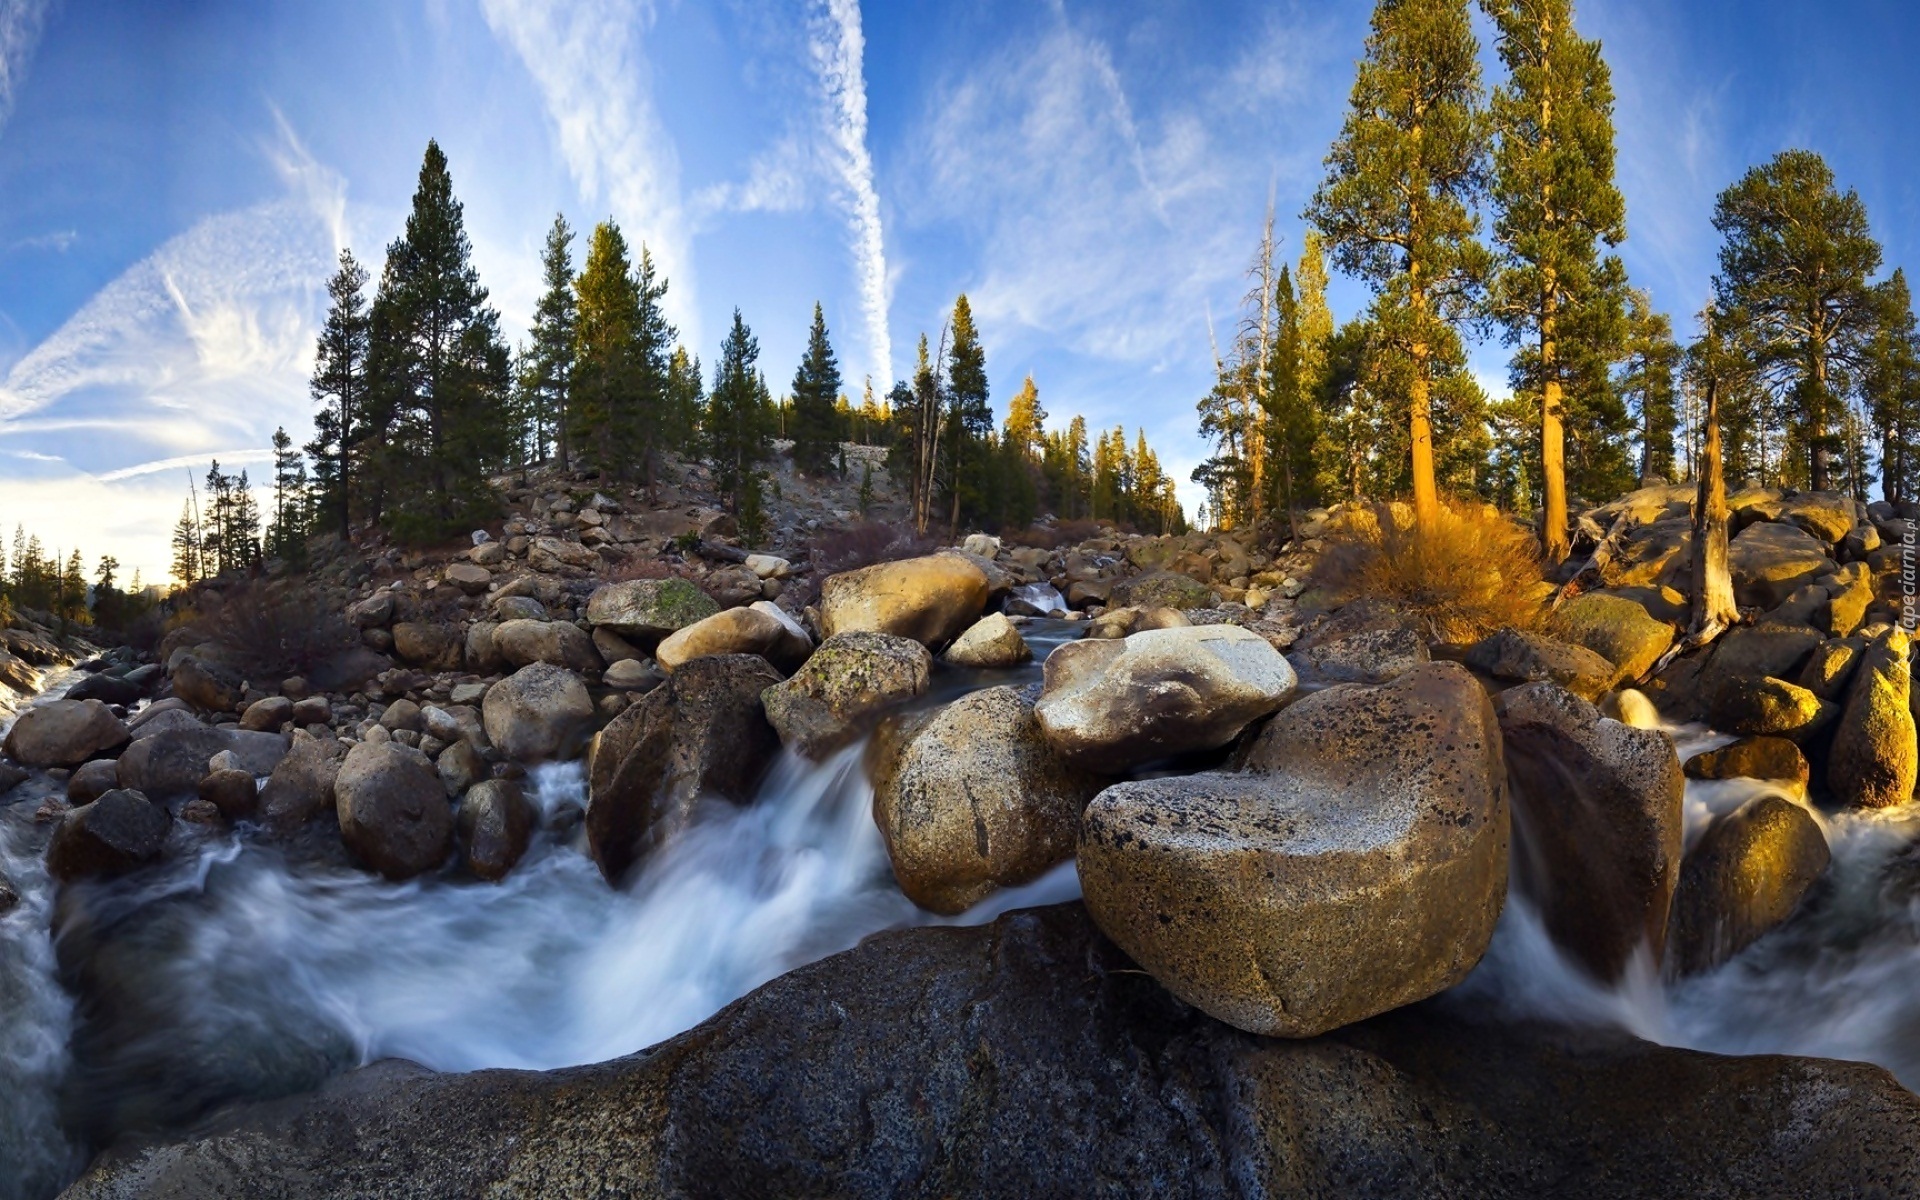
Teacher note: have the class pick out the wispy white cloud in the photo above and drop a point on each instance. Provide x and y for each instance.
(776, 181)
(20, 24)
(590, 66)
(838, 47)
(59, 241)
(227, 458)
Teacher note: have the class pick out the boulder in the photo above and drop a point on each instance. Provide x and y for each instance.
(556, 556)
(631, 675)
(496, 822)
(1752, 758)
(427, 644)
(1873, 760)
(173, 763)
(539, 712)
(519, 608)
(974, 799)
(1617, 629)
(1747, 875)
(109, 689)
(301, 786)
(701, 734)
(1850, 594)
(234, 792)
(990, 642)
(469, 577)
(930, 599)
(1597, 825)
(114, 834)
(1764, 705)
(267, 715)
(63, 733)
(1752, 652)
(1358, 864)
(375, 612)
(1769, 561)
(1164, 589)
(460, 766)
(1375, 656)
(1518, 656)
(848, 683)
(1028, 1058)
(1113, 705)
(1653, 554)
(208, 686)
(393, 813)
(561, 643)
(481, 653)
(760, 628)
(648, 609)
(91, 780)
(402, 714)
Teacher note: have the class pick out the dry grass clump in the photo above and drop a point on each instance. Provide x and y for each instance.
(270, 631)
(865, 544)
(1473, 573)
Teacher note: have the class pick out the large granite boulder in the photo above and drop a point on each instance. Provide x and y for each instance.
(759, 628)
(114, 834)
(207, 685)
(1029, 1058)
(1164, 589)
(1753, 706)
(1111, 705)
(495, 824)
(928, 599)
(700, 735)
(988, 643)
(649, 609)
(430, 645)
(1518, 656)
(560, 643)
(1769, 561)
(393, 813)
(173, 763)
(1752, 758)
(1749, 872)
(301, 786)
(844, 688)
(1616, 628)
(1373, 656)
(1597, 824)
(539, 712)
(64, 733)
(1873, 760)
(973, 798)
(1357, 864)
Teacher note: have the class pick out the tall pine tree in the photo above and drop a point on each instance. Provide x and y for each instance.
(816, 388)
(1555, 202)
(1397, 206)
(969, 417)
(1892, 379)
(339, 385)
(546, 384)
(1647, 384)
(738, 426)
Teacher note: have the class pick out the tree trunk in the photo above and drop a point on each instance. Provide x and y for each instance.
(1426, 493)
(1713, 604)
(1819, 470)
(1553, 454)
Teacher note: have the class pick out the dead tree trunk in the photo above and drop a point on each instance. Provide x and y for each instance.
(1714, 609)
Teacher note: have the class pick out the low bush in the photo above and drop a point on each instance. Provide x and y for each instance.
(270, 631)
(1472, 573)
(865, 544)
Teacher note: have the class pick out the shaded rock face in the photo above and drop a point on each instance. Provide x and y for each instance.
(301, 787)
(1830, 668)
(174, 762)
(1112, 705)
(114, 834)
(1757, 651)
(393, 812)
(1597, 824)
(973, 799)
(1028, 1059)
(427, 644)
(1873, 760)
(211, 687)
(108, 688)
(1617, 629)
(649, 608)
(538, 712)
(1516, 656)
(1770, 561)
(759, 628)
(702, 734)
(990, 642)
(1375, 656)
(1747, 875)
(928, 599)
(848, 683)
(1358, 864)
(495, 823)
(64, 733)
(1752, 758)
(235, 793)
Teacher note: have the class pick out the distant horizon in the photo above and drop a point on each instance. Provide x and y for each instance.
(174, 185)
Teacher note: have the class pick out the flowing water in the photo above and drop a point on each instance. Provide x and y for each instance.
(243, 968)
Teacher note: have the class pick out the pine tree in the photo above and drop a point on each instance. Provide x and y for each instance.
(606, 367)
(443, 389)
(1292, 408)
(287, 533)
(738, 423)
(1647, 384)
(816, 385)
(1025, 426)
(969, 417)
(1555, 201)
(1397, 205)
(339, 385)
(186, 548)
(548, 375)
(1795, 278)
(686, 394)
(1892, 384)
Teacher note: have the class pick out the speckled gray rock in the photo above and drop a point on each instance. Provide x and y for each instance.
(393, 811)
(1111, 705)
(844, 688)
(538, 712)
(1517, 656)
(116, 833)
(973, 798)
(1375, 656)
(1028, 1058)
(1749, 872)
(174, 762)
(495, 824)
(1596, 824)
(301, 787)
(1358, 863)
(648, 609)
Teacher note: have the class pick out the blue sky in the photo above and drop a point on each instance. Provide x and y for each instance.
(175, 179)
